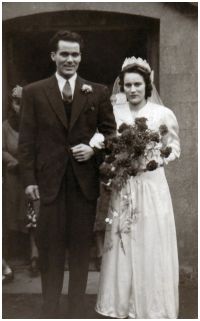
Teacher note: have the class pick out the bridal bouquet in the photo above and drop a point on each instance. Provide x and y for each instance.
(132, 151)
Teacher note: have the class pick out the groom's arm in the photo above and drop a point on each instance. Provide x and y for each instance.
(106, 124)
(106, 120)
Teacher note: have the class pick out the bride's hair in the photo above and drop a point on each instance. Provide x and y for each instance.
(140, 71)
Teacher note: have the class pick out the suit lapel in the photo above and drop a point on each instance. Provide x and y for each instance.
(55, 99)
(79, 101)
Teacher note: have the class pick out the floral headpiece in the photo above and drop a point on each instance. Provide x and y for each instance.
(133, 61)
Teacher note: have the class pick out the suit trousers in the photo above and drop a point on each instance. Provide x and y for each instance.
(68, 221)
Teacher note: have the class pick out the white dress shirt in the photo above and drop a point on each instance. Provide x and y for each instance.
(62, 81)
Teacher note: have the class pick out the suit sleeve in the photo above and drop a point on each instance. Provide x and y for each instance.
(106, 119)
(27, 139)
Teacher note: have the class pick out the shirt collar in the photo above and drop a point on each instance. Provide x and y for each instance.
(61, 82)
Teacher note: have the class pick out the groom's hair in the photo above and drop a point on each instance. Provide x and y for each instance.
(65, 35)
(140, 71)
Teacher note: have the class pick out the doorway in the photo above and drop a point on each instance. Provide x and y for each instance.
(109, 38)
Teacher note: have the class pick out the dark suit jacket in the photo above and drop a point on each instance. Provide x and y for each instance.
(46, 136)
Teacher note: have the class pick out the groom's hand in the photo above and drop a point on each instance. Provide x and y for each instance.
(32, 192)
(82, 152)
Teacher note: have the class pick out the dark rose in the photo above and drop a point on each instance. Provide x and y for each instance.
(109, 142)
(154, 137)
(165, 152)
(163, 129)
(123, 127)
(141, 123)
(127, 136)
(152, 165)
(138, 150)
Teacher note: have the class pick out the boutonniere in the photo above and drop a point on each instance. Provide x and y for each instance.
(86, 89)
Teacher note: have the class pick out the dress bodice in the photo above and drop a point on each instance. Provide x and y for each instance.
(156, 115)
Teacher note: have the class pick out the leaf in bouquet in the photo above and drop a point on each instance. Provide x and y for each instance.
(152, 165)
(121, 241)
(165, 152)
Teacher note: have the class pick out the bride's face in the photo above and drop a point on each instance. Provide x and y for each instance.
(134, 88)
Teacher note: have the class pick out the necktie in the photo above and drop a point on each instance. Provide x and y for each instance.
(67, 93)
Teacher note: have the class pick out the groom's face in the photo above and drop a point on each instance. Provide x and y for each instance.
(67, 58)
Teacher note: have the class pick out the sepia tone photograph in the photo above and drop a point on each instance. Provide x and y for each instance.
(99, 160)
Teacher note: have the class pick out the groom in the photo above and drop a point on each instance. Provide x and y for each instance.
(60, 115)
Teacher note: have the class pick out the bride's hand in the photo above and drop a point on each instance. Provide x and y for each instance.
(97, 141)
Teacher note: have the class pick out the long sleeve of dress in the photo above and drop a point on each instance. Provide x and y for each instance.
(172, 138)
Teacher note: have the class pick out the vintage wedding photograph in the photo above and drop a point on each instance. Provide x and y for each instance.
(99, 160)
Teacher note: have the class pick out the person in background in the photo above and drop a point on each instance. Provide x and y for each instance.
(7, 272)
(15, 208)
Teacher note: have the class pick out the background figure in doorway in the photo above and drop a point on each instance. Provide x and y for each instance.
(15, 207)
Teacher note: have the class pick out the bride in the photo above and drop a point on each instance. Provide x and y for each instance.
(140, 279)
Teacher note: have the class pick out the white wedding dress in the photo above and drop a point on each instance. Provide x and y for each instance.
(139, 274)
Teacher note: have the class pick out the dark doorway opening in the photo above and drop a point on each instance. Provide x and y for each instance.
(102, 57)
(109, 38)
